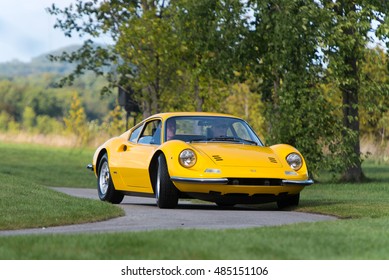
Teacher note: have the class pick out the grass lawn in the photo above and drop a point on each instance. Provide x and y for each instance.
(48, 166)
(360, 233)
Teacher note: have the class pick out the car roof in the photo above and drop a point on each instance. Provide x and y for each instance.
(165, 116)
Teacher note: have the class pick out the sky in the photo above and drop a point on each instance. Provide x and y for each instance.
(26, 29)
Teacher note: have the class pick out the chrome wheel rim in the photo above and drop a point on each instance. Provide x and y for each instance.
(104, 178)
(158, 183)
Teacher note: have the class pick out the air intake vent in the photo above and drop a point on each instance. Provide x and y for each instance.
(272, 160)
(217, 157)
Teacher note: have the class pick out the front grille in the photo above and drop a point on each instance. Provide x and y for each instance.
(254, 182)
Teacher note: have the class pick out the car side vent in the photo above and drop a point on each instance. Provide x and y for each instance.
(272, 160)
(217, 158)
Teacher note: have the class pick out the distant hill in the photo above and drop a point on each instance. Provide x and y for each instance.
(38, 65)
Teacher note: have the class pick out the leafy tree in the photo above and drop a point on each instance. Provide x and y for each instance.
(11, 97)
(148, 47)
(347, 31)
(115, 122)
(5, 118)
(75, 121)
(374, 94)
(285, 43)
(137, 60)
(211, 34)
(245, 103)
(29, 118)
(47, 125)
(304, 58)
(38, 92)
(163, 51)
(301, 46)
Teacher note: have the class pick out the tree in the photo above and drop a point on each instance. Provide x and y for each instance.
(141, 57)
(288, 66)
(308, 53)
(165, 51)
(211, 34)
(347, 31)
(29, 118)
(149, 47)
(374, 92)
(241, 101)
(305, 58)
(75, 121)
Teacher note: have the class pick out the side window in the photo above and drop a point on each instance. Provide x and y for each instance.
(151, 133)
(135, 134)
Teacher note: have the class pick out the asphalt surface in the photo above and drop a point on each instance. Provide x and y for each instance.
(142, 214)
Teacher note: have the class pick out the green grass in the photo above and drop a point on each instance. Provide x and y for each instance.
(25, 204)
(48, 166)
(370, 199)
(349, 239)
(360, 233)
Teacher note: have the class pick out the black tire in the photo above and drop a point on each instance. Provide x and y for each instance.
(291, 201)
(225, 205)
(166, 194)
(105, 187)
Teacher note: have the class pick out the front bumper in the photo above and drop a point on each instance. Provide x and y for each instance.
(244, 190)
(217, 181)
(225, 181)
(297, 182)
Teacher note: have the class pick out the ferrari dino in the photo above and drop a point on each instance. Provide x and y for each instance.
(206, 156)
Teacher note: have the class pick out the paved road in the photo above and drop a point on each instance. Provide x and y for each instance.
(143, 214)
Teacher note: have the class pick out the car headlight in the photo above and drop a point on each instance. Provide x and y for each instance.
(295, 161)
(187, 158)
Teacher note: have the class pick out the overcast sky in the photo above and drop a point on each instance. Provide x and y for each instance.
(26, 29)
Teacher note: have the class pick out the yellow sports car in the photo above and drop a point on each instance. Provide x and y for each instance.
(207, 156)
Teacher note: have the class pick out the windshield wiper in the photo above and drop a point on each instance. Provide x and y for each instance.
(225, 138)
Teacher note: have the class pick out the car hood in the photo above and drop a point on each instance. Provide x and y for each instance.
(225, 154)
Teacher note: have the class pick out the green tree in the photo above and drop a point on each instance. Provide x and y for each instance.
(287, 65)
(211, 34)
(29, 118)
(301, 46)
(138, 60)
(5, 118)
(374, 94)
(75, 120)
(347, 31)
(47, 125)
(304, 58)
(116, 122)
(241, 101)
(166, 52)
(149, 48)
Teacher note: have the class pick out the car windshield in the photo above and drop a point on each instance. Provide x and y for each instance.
(210, 129)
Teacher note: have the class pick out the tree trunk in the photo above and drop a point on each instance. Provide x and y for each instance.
(199, 101)
(350, 89)
(353, 172)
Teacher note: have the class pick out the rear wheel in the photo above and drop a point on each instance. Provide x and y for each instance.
(105, 187)
(290, 201)
(166, 193)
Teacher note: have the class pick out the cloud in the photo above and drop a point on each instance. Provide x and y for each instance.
(26, 29)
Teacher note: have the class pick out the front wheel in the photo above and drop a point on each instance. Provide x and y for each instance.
(166, 193)
(224, 205)
(105, 186)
